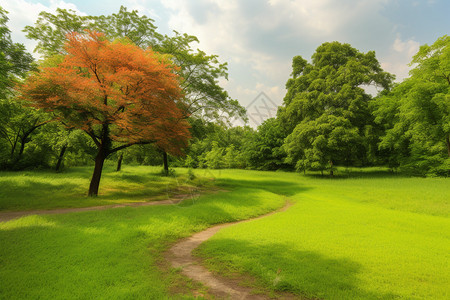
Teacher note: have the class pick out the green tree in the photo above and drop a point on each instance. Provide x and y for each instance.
(263, 149)
(18, 125)
(63, 141)
(214, 159)
(200, 72)
(50, 30)
(118, 93)
(17, 122)
(206, 99)
(329, 93)
(317, 144)
(416, 114)
(15, 62)
(230, 157)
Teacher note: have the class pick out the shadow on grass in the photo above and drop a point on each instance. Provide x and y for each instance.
(45, 189)
(134, 178)
(280, 187)
(303, 273)
(366, 173)
(27, 193)
(73, 260)
(105, 254)
(75, 172)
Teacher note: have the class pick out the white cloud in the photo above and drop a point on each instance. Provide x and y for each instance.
(259, 38)
(399, 57)
(409, 47)
(143, 7)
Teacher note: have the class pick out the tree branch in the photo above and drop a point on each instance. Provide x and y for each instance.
(93, 136)
(129, 145)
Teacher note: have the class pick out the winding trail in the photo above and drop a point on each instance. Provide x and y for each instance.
(180, 256)
(7, 216)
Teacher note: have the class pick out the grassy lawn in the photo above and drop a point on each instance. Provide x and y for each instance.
(368, 235)
(362, 235)
(47, 189)
(111, 254)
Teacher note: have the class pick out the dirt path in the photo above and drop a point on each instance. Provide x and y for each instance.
(7, 216)
(180, 256)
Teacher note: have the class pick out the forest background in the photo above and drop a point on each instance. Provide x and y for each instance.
(328, 117)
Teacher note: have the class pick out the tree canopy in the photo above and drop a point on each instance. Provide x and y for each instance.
(15, 62)
(199, 72)
(98, 83)
(416, 114)
(17, 123)
(326, 107)
(118, 93)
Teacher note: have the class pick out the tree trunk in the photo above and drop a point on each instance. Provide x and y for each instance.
(23, 141)
(166, 163)
(119, 162)
(95, 181)
(14, 145)
(60, 158)
(331, 169)
(448, 145)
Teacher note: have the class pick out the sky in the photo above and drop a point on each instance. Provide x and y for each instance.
(259, 38)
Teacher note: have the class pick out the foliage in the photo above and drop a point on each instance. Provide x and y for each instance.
(416, 114)
(214, 159)
(114, 92)
(316, 144)
(328, 93)
(19, 125)
(15, 62)
(50, 30)
(327, 118)
(224, 146)
(199, 72)
(263, 150)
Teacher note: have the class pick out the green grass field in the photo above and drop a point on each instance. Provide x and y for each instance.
(111, 254)
(363, 235)
(366, 236)
(47, 189)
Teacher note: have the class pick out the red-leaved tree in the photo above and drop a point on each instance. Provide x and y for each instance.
(116, 92)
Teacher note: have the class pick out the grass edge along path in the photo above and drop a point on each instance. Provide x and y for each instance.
(180, 256)
(111, 254)
(335, 249)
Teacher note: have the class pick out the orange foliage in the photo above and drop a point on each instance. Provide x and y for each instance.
(113, 91)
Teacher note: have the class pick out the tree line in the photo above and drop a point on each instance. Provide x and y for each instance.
(112, 87)
(104, 83)
(328, 118)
